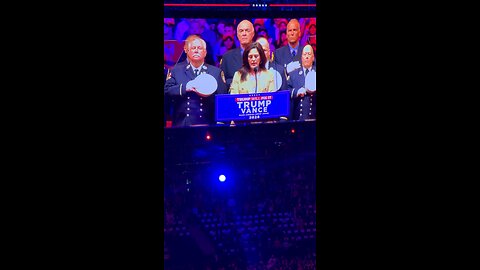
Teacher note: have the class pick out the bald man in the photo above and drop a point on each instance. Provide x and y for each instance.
(303, 99)
(232, 60)
(288, 56)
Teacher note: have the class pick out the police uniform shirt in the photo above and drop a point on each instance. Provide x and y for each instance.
(192, 109)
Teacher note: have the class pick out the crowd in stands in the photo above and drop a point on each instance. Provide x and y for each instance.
(220, 34)
(265, 218)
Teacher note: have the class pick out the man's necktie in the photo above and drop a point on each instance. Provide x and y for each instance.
(196, 72)
(293, 53)
(306, 72)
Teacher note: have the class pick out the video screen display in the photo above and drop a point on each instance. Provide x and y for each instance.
(224, 71)
(241, 197)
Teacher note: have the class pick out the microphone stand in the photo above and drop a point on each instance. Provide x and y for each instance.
(256, 82)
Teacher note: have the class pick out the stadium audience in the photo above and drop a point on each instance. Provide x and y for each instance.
(267, 220)
(273, 29)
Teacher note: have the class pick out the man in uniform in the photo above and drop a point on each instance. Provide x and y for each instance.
(271, 65)
(192, 107)
(304, 100)
(289, 55)
(276, 69)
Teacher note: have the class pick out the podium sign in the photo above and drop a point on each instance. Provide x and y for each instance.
(252, 106)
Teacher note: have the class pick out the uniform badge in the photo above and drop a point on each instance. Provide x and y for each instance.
(204, 67)
(300, 73)
(188, 66)
(169, 74)
(223, 76)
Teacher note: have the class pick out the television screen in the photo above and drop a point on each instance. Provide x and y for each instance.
(239, 63)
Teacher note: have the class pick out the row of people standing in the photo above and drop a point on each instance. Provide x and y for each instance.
(237, 73)
(217, 33)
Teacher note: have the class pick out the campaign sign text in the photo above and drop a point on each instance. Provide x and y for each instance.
(252, 106)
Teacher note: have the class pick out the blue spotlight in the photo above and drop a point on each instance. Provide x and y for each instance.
(222, 178)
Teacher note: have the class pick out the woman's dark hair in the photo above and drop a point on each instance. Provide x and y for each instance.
(245, 69)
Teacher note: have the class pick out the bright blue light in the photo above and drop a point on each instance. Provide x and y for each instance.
(222, 178)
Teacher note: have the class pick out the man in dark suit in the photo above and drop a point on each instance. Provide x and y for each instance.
(232, 60)
(166, 102)
(303, 99)
(192, 107)
(289, 56)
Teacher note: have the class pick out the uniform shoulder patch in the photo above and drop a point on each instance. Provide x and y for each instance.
(223, 76)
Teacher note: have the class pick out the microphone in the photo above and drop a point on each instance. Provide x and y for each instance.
(256, 82)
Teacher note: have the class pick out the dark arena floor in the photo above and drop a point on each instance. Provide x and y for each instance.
(262, 216)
